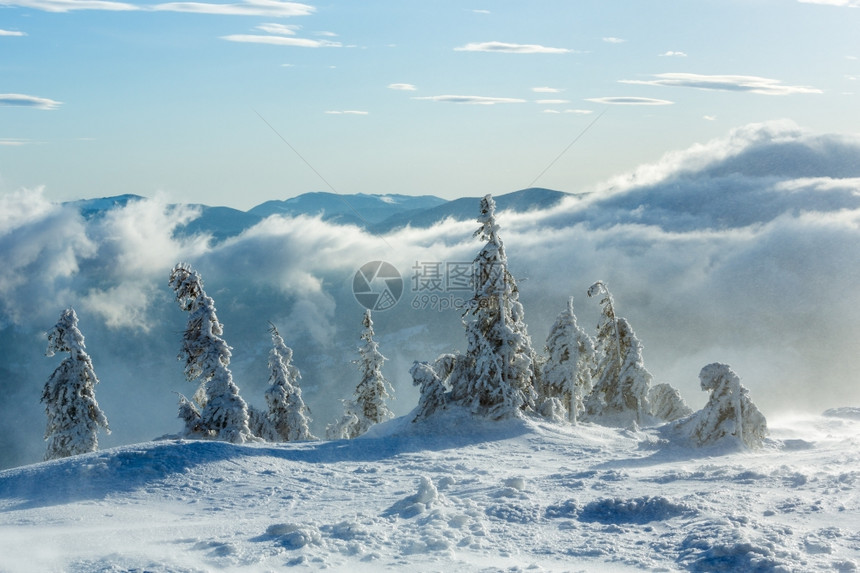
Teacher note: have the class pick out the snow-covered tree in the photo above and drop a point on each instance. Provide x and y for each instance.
(729, 412)
(432, 382)
(220, 412)
(369, 405)
(622, 384)
(261, 427)
(667, 403)
(287, 412)
(345, 427)
(74, 416)
(570, 359)
(497, 374)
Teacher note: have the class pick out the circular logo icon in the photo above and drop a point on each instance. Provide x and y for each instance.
(377, 285)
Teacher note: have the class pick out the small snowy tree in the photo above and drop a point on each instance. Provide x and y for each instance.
(74, 416)
(220, 412)
(432, 382)
(287, 412)
(497, 375)
(369, 406)
(570, 358)
(667, 403)
(729, 412)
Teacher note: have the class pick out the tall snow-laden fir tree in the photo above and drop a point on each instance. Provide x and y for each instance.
(369, 404)
(570, 359)
(497, 374)
(287, 412)
(729, 413)
(74, 416)
(217, 410)
(621, 382)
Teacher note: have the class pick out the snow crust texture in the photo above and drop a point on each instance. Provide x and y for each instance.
(451, 493)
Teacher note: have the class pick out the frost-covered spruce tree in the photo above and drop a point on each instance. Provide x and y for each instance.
(218, 411)
(570, 359)
(369, 404)
(287, 412)
(621, 382)
(497, 374)
(729, 412)
(74, 416)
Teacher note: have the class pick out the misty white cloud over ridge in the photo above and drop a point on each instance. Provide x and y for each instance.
(742, 249)
(752, 84)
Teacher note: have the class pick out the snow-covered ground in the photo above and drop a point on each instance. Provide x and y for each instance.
(451, 494)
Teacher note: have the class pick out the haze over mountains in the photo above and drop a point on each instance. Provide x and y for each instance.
(373, 213)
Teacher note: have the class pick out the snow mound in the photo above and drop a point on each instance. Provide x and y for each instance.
(638, 510)
(426, 496)
(293, 535)
(616, 510)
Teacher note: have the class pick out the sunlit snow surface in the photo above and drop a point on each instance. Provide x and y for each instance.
(453, 494)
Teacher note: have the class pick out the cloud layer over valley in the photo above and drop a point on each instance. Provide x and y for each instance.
(742, 250)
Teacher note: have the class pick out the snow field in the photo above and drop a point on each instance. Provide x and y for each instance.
(451, 494)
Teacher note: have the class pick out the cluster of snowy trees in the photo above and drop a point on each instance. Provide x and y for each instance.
(601, 380)
(578, 378)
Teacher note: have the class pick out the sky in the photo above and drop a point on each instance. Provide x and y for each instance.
(238, 103)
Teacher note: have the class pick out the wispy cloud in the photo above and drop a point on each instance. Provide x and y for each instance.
(845, 3)
(546, 90)
(70, 5)
(752, 84)
(21, 100)
(613, 40)
(11, 33)
(709, 117)
(630, 100)
(348, 112)
(265, 8)
(481, 11)
(467, 99)
(281, 41)
(507, 48)
(671, 54)
(576, 111)
(8, 142)
(279, 29)
(402, 87)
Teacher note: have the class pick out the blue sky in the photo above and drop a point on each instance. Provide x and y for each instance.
(448, 98)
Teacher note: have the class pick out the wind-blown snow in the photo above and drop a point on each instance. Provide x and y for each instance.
(450, 494)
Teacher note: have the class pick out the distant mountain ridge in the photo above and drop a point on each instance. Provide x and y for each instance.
(374, 213)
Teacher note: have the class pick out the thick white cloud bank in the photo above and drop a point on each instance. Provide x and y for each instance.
(743, 250)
